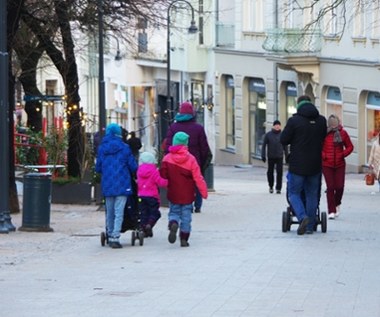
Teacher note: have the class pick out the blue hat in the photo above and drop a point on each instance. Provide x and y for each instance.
(181, 138)
(113, 129)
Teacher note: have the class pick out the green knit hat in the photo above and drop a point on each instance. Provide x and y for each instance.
(147, 157)
(181, 138)
(303, 102)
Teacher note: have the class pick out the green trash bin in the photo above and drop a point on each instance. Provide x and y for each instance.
(36, 202)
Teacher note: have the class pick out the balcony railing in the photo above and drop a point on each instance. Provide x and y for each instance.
(225, 35)
(293, 41)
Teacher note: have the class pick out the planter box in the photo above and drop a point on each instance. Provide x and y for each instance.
(71, 193)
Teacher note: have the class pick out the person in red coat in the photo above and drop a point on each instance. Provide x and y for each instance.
(337, 146)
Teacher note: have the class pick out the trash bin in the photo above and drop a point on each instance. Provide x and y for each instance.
(209, 177)
(36, 202)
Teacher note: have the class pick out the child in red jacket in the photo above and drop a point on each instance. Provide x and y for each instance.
(148, 181)
(184, 176)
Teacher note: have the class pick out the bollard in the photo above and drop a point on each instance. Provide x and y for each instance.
(36, 202)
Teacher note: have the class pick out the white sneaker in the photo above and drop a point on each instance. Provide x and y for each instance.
(337, 211)
(331, 215)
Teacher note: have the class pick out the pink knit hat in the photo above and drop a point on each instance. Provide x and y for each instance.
(186, 108)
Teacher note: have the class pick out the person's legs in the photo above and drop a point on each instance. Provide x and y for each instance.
(312, 193)
(295, 187)
(119, 216)
(185, 227)
(340, 174)
(110, 215)
(329, 175)
(270, 172)
(144, 212)
(174, 218)
(279, 168)
(198, 201)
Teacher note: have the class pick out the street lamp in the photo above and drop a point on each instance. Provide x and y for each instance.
(192, 29)
(102, 94)
(5, 219)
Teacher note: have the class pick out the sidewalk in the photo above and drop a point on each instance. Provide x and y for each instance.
(239, 262)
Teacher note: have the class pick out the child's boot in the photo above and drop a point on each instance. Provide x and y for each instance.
(148, 230)
(173, 227)
(184, 238)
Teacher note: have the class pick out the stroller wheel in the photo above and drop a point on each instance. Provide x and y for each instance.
(284, 221)
(141, 237)
(323, 222)
(103, 239)
(288, 213)
(133, 238)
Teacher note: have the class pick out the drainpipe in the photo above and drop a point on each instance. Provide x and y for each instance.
(275, 65)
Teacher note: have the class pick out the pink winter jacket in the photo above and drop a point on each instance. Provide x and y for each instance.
(148, 180)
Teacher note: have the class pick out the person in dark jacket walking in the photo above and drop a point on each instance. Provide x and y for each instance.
(135, 144)
(116, 164)
(336, 147)
(305, 132)
(198, 145)
(275, 156)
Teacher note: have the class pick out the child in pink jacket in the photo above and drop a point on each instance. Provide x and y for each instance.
(148, 181)
(184, 175)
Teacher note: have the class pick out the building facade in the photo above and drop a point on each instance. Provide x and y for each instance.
(271, 58)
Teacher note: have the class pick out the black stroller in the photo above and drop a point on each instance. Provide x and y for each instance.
(131, 219)
(289, 216)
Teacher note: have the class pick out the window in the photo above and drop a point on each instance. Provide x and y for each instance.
(230, 111)
(375, 21)
(253, 16)
(373, 119)
(291, 99)
(334, 103)
(359, 20)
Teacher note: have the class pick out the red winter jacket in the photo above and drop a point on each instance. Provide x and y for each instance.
(182, 171)
(333, 154)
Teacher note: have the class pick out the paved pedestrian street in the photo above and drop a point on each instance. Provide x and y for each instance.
(239, 262)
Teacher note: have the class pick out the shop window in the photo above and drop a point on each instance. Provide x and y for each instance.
(373, 117)
(230, 111)
(291, 99)
(334, 103)
(257, 115)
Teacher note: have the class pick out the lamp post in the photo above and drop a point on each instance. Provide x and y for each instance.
(5, 218)
(192, 29)
(102, 96)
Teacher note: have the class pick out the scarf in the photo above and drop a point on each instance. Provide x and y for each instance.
(337, 136)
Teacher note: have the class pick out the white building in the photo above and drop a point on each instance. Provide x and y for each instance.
(270, 60)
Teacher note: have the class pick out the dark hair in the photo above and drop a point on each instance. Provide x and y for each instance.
(303, 98)
(132, 134)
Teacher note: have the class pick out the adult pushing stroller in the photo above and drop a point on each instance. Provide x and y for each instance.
(289, 216)
(131, 220)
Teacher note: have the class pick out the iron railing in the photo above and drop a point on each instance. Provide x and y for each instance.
(293, 41)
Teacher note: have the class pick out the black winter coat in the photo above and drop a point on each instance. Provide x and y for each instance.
(305, 132)
(275, 148)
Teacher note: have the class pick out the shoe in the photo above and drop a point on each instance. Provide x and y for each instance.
(148, 231)
(309, 231)
(302, 227)
(184, 243)
(271, 190)
(331, 215)
(173, 232)
(337, 211)
(115, 245)
(197, 210)
(278, 191)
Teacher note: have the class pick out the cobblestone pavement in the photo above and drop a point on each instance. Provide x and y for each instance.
(239, 262)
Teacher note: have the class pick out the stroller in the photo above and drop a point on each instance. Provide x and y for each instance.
(289, 216)
(131, 219)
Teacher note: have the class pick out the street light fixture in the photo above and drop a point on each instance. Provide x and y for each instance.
(192, 29)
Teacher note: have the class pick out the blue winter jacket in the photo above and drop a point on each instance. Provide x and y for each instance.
(116, 163)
